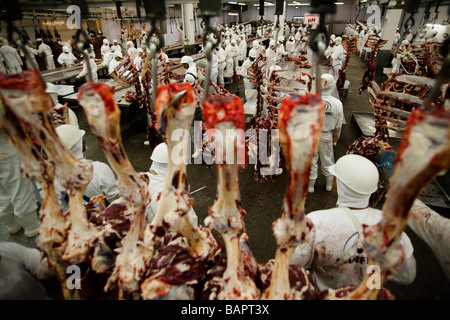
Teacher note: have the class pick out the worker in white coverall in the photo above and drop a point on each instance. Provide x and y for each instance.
(30, 58)
(257, 46)
(18, 208)
(11, 58)
(337, 57)
(107, 58)
(252, 55)
(45, 51)
(115, 61)
(290, 45)
(229, 53)
(157, 176)
(214, 67)
(131, 50)
(103, 180)
(85, 71)
(21, 269)
(105, 47)
(271, 57)
(66, 58)
(188, 63)
(116, 46)
(334, 252)
(138, 60)
(221, 64)
(331, 130)
(242, 48)
(235, 54)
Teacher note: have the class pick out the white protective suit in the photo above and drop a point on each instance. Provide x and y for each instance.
(67, 58)
(290, 45)
(433, 229)
(131, 50)
(242, 50)
(192, 67)
(334, 238)
(85, 71)
(221, 64)
(21, 268)
(104, 48)
(45, 51)
(229, 53)
(247, 63)
(107, 58)
(138, 60)
(334, 117)
(30, 60)
(235, 53)
(103, 181)
(11, 58)
(17, 193)
(337, 58)
(114, 62)
(116, 46)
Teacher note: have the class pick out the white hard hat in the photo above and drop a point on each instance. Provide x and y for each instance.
(186, 59)
(357, 173)
(255, 43)
(253, 53)
(105, 41)
(69, 134)
(66, 49)
(130, 43)
(114, 40)
(330, 80)
(338, 40)
(140, 50)
(117, 53)
(332, 37)
(160, 153)
(271, 43)
(233, 41)
(51, 88)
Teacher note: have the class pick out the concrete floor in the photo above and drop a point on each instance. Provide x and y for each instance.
(262, 201)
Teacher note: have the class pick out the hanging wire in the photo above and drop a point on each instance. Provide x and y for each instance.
(154, 47)
(209, 43)
(318, 44)
(14, 36)
(85, 48)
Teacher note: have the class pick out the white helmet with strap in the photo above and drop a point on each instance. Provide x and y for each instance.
(356, 172)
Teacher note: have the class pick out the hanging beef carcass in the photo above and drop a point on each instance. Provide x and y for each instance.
(301, 120)
(103, 116)
(181, 249)
(225, 114)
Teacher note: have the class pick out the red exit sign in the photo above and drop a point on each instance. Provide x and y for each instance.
(311, 18)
